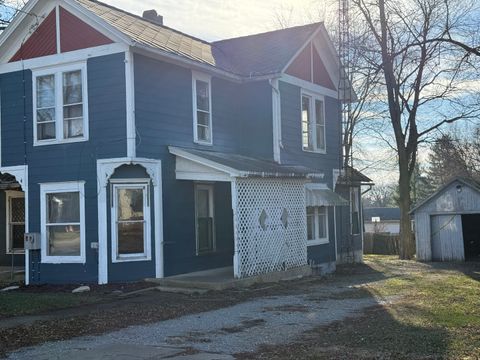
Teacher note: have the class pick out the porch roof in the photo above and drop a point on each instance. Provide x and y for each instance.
(193, 164)
(321, 195)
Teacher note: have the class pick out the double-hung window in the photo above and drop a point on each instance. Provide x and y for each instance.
(202, 109)
(63, 222)
(131, 222)
(60, 104)
(317, 225)
(313, 123)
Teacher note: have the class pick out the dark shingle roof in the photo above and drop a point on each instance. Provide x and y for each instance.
(260, 54)
(354, 176)
(266, 53)
(383, 213)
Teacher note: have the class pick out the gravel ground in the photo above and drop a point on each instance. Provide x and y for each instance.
(236, 329)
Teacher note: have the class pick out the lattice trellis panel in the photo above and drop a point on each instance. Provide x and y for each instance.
(270, 225)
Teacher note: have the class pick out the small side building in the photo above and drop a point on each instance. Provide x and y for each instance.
(447, 224)
(382, 220)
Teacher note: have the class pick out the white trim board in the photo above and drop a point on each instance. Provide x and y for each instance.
(144, 185)
(60, 187)
(105, 169)
(63, 58)
(130, 104)
(57, 72)
(308, 86)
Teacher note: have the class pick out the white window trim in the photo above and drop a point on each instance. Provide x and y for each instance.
(143, 184)
(10, 194)
(208, 79)
(51, 188)
(57, 71)
(319, 241)
(211, 199)
(313, 121)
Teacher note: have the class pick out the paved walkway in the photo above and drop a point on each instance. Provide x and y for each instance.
(217, 334)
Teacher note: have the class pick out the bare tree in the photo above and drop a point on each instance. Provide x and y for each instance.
(8, 10)
(380, 196)
(455, 156)
(423, 51)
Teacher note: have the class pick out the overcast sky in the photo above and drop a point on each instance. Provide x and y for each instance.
(220, 19)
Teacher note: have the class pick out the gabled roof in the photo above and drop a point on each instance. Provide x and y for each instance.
(474, 185)
(260, 54)
(384, 213)
(152, 34)
(265, 53)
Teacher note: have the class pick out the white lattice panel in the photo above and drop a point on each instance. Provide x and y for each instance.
(270, 225)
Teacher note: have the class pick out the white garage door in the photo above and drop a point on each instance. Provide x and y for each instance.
(447, 238)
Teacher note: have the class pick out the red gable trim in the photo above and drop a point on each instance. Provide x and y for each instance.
(75, 34)
(42, 42)
(302, 67)
(320, 73)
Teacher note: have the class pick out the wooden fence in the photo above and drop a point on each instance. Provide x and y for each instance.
(381, 244)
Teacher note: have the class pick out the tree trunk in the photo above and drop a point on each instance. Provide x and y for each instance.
(407, 245)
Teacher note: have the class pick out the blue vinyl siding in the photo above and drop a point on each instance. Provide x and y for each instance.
(242, 123)
(326, 252)
(292, 153)
(241, 113)
(67, 162)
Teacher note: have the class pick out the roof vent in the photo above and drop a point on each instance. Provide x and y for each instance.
(151, 15)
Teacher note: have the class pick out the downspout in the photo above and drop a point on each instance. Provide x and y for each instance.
(276, 120)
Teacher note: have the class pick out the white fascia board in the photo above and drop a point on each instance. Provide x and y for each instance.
(27, 24)
(310, 38)
(63, 58)
(311, 87)
(17, 20)
(212, 164)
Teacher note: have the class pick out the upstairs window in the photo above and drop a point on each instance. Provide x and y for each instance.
(313, 123)
(202, 113)
(60, 105)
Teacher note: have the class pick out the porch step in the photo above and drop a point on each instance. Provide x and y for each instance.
(221, 279)
(181, 290)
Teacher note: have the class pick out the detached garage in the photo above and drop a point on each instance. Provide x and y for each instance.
(447, 224)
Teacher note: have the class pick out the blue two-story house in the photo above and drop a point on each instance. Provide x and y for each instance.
(131, 150)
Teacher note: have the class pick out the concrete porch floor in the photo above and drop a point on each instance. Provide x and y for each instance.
(222, 278)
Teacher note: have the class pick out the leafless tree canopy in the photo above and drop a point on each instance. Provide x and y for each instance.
(427, 54)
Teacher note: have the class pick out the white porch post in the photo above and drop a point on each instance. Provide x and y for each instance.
(236, 261)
